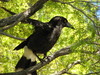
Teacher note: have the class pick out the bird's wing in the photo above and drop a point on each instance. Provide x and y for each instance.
(24, 43)
(21, 45)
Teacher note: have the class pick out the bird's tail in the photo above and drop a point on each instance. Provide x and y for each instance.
(26, 61)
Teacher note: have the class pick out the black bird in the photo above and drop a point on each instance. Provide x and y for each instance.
(41, 41)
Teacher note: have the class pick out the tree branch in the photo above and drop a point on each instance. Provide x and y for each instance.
(13, 20)
(21, 16)
(97, 73)
(63, 51)
(78, 10)
(95, 43)
(80, 1)
(69, 67)
(3, 33)
(4, 0)
(96, 63)
(64, 72)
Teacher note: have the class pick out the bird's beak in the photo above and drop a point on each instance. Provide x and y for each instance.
(70, 26)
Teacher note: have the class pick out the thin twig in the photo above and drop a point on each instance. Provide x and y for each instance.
(95, 43)
(78, 10)
(73, 64)
(91, 2)
(96, 62)
(69, 67)
(97, 73)
(3, 33)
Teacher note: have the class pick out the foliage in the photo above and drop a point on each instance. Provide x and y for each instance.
(83, 37)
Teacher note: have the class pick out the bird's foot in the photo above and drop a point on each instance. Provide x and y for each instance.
(41, 60)
(44, 59)
(47, 58)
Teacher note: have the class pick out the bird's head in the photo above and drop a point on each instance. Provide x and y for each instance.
(58, 20)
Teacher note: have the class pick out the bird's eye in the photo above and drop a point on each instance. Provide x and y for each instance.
(65, 21)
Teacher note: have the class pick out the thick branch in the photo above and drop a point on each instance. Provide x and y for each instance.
(46, 61)
(63, 51)
(21, 16)
(13, 20)
(28, 20)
